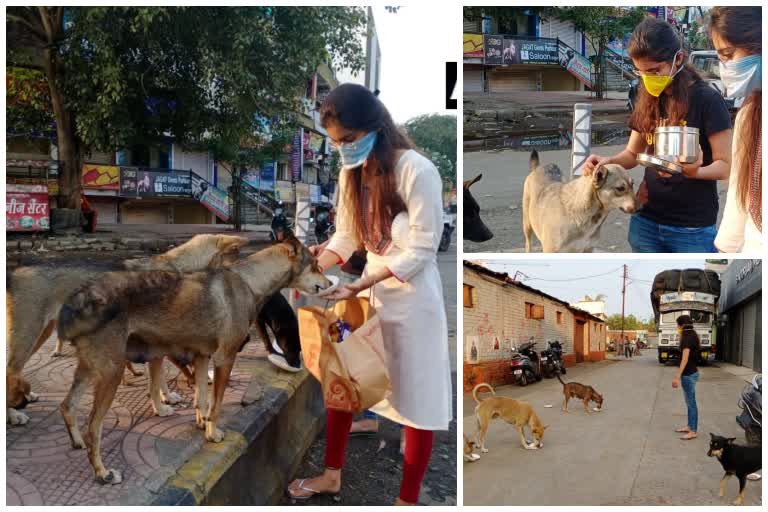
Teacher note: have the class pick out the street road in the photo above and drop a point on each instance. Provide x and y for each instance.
(628, 454)
(500, 195)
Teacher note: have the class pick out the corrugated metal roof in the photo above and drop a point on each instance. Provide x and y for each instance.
(504, 277)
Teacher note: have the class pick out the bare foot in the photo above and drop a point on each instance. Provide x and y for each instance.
(401, 503)
(690, 435)
(683, 429)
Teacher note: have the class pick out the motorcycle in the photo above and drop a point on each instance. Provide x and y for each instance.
(525, 364)
(552, 359)
(280, 225)
(323, 223)
(751, 417)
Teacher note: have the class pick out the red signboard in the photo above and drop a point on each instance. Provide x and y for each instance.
(26, 207)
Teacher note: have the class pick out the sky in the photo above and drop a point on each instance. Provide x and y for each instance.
(415, 42)
(560, 278)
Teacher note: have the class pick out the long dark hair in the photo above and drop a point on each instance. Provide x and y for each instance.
(656, 40)
(356, 108)
(741, 28)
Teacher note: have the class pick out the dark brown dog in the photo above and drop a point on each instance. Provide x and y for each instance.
(585, 393)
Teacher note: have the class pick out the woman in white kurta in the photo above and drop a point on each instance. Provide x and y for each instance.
(737, 36)
(393, 207)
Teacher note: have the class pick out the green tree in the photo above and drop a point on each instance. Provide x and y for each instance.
(600, 25)
(130, 75)
(435, 135)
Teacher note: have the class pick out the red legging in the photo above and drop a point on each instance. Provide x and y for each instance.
(418, 448)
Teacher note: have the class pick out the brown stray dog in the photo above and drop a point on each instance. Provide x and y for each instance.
(189, 317)
(34, 295)
(515, 412)
(585, 393)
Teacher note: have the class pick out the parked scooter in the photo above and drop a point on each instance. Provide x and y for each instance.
(552, 359)
(323, 222)
(525, 364)
(751, 417)
(280, 225)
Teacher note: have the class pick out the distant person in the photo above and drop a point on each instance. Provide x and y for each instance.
(679, 212)
(688, 374)
(627, 348)
(737, 36)
(632, 347)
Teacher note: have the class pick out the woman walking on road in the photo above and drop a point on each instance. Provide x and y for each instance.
(737, 36)
(679, 212)
(390, 202)
(688, 374)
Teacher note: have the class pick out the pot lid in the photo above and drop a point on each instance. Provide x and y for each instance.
(659, 164)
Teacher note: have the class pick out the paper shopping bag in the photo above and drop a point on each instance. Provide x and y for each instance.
(353, 373)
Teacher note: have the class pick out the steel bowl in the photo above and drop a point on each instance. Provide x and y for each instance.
(671, 142)
(659, 164)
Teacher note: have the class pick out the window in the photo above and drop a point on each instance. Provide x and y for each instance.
(468, 297)
(559, 317)
(534, 311)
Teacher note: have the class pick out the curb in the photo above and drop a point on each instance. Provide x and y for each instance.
(262, 447)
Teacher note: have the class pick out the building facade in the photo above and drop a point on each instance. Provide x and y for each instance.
(500, 313)
(739, 329)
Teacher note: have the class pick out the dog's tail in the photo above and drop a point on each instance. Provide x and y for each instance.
(557, 374)
(479, 387)
(95, 304)
(534, 161)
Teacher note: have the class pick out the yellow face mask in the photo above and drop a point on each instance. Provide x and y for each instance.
(656, 84)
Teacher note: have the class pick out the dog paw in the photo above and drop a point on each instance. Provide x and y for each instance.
(484, 450)
(137, 373)
(210, 376)
(78, 444)
(199, 420)
(56, 353)
(164, 410)
(111, 477)
(33, 397)
(17, 418)
(531, 446)
(738, 501)
(214, 435)
(172, 398)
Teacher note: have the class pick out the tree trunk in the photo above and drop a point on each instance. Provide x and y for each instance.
(69, 149)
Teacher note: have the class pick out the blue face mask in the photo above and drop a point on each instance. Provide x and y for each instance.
(356, 153)
(741, 77)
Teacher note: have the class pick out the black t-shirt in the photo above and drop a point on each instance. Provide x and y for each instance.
(677, 200)
(690, 341)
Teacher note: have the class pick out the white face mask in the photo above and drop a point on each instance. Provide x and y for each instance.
(741, 77)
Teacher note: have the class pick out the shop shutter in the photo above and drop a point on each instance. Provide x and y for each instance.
(510, 80)
(748, 334)
(471, 26)
(145, 214)
(473, 80)
(106, 211)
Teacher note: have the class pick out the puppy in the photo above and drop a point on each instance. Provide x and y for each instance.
(585, 393)
(469, 450)
(475, 229)
(736, 460)
(515, 412)
(567, 217)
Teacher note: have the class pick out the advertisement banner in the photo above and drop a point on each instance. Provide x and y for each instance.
(26, 208)
(473, 46)
(494, 46)
(314, 193)
(296, 155)
(577, 64)
(268, 171)
(216, 201)
(143, 183)
(538, 51)
(284, 191)
(199, 186)
(101, 177)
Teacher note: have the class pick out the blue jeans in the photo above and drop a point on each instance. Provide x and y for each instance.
(689, 391)
(368, 415)
(646, 235)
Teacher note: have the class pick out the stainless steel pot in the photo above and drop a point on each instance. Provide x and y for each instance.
(671, 142)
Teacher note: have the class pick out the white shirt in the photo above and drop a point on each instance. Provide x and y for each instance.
(737, 232)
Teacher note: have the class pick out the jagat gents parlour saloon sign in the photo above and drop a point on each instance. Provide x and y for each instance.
(144, 183)
(26, 208)
(541, 51)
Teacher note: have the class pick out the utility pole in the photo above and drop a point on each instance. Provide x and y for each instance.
(623, 296)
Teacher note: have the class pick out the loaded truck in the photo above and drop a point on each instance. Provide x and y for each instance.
(693, 292)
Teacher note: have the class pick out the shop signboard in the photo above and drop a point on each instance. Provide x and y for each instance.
(26, 208)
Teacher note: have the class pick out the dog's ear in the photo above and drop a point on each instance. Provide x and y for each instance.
(731, 440)
(712, 435)
(289, 247)
(545, 427)
(226, 243)
(469, 183)
(599, 176)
